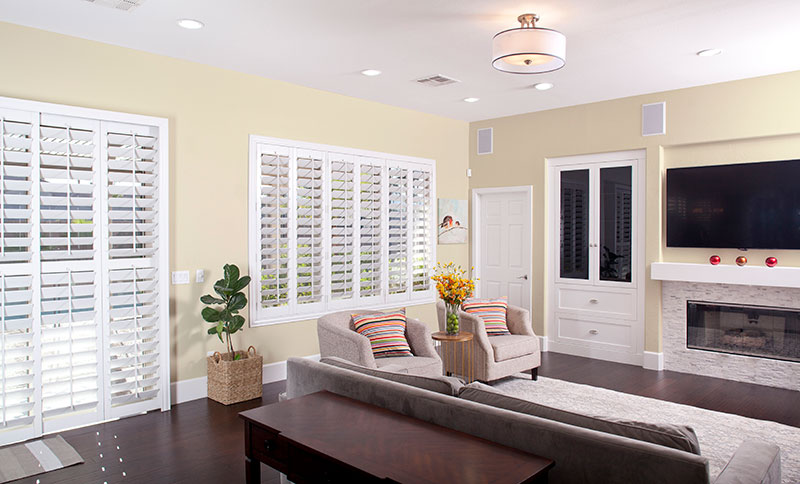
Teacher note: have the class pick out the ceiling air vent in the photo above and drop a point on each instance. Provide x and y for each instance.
(124, 5)
(437, 80)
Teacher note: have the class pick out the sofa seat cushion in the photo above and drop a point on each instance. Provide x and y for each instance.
(439, 384)
(512, 346)
(386, 333)
(678, 437)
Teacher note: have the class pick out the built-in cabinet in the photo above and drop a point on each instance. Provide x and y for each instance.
(597, 256)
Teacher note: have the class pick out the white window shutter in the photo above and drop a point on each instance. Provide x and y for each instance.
(370, 236)
(398, 229)
(17, 354)
(422, 230)
(132, 273)
(309, 223)
(16, 185)
(342, 227)
(274, 211)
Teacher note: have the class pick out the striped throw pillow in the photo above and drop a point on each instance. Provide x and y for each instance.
(386, 333)
(492, 312)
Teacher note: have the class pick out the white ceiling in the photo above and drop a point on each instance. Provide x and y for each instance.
(615, 48)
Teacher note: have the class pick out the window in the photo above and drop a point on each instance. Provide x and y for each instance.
(83, 288)
(335, 228)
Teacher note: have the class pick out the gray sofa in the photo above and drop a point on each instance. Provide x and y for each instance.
(581, 455)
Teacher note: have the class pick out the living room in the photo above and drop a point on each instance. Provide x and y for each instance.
(252, 77)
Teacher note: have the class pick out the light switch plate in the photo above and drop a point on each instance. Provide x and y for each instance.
(180, 277)
(200, 276)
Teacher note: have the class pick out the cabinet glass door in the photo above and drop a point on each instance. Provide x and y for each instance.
(616, 224)
(574, 238)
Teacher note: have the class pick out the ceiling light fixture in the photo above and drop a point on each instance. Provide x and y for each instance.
(543, 86)
(371, 72)
(529, 49)
(709, 52)
(471, 99)
(190, 24)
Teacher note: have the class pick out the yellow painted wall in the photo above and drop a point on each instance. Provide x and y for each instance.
(739, 121)
(211, 113)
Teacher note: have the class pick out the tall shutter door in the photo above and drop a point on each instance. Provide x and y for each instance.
(309, 223)
(274, 212)
(342, 227)
(422, 230)
(370, 241)
(399, 228)
(132, 276)
(71, 363)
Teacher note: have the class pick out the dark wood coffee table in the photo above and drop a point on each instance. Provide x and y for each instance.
(324, 437)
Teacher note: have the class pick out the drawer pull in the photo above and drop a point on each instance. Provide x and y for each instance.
(269, 445)
(593, 301)
(593, 331)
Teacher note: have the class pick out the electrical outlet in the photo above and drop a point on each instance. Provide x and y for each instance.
(180, 277)
(200, 276)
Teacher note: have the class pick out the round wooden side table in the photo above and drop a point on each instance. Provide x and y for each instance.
(456, 352)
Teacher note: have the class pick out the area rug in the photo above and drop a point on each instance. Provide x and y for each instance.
(32, 458)
(719, 433)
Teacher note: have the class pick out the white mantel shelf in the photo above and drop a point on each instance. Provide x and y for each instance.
(726, 274)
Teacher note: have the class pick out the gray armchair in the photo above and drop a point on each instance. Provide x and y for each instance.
(337, 337)
(495, 357)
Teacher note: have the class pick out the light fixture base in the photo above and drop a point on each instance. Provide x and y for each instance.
(528, 20)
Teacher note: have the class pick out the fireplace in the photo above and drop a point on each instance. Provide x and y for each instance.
(765, 332)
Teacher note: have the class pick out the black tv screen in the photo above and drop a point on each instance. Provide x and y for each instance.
(742, 206)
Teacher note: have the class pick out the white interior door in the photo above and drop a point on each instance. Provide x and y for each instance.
(501, 241)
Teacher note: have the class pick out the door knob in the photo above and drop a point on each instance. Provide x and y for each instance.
(523, 277)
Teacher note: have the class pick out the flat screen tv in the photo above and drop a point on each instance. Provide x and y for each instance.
(741, 206)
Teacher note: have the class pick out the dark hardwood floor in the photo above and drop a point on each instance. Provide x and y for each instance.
(203, 442)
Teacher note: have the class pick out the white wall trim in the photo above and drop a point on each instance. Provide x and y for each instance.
(544, 346)
(726, 274)
(196, 388)
(653, 361)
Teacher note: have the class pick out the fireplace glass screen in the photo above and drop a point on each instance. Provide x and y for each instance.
(766, 332)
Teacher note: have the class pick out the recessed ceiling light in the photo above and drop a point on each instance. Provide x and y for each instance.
(543, 86)
(190, 24)
(709, 52)
(471, 99)
(371, 72)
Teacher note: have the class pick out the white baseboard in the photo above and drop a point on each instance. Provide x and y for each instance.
(196, 388)
(543, 345)
(653, 361)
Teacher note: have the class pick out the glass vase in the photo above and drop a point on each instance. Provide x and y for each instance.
(452, 321)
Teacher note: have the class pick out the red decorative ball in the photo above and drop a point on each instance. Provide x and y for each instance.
(771, 262)
(741, 260)
(714, 259)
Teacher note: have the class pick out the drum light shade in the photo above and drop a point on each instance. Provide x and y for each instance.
(529, 49)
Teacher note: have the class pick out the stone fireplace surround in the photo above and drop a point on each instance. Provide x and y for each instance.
(675, 293)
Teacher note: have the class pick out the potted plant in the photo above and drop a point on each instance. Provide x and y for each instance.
(454, 288)
(234, 376)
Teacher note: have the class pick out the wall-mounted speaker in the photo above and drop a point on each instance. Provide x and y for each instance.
(654, 119)
(485, 141)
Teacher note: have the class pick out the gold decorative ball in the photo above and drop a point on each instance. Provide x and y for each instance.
(741, 260)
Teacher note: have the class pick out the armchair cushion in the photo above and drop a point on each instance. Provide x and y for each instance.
(386, 333)
(418, 365)
(511, 346)
(492, 312)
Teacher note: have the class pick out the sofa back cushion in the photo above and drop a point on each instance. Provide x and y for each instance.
(678, 437)
(386, 333)
(442, 384)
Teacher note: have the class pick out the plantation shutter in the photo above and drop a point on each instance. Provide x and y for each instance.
(274, 193)
(343, 224)
(16, 186)
(422, 230)
(398, 229)
(370, 240)
(132, 272)
(309, 223)
(71, 367)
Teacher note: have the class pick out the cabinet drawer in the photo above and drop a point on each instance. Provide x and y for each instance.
(595, 332)
(269, 447)
(621, 304)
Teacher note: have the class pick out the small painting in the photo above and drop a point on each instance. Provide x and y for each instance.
(452, 221)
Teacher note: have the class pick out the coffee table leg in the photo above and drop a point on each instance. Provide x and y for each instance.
(252, 471)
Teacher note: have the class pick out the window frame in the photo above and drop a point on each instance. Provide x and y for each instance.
(259, 316)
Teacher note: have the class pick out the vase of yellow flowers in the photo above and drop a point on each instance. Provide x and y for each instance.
(454, 288)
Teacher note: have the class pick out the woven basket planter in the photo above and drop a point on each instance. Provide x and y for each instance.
(233, 381)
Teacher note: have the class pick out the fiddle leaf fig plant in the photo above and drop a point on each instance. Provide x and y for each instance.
(226, 318)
